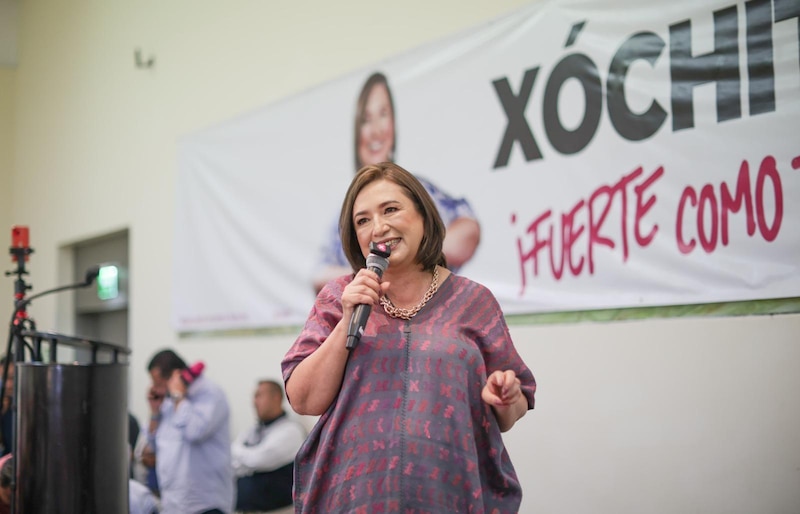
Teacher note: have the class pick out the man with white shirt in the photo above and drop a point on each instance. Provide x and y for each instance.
(190, 435)
(141, 499)
(263, 455)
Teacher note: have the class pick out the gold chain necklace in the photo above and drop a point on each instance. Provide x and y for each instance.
(397, 312)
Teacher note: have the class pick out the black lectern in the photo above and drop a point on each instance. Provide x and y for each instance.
(71, 433)
(70, 420)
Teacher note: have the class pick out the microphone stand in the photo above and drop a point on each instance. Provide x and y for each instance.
(21, 322)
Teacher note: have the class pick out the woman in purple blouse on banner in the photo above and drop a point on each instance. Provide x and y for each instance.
(375, 140)
(411, 418)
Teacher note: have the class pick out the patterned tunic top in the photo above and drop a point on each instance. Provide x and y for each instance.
(408, 431)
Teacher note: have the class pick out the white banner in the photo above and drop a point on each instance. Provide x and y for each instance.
(615, 154)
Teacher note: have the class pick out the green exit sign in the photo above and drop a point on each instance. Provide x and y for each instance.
(108, 283)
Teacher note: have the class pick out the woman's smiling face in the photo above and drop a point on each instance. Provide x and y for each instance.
(376, 132)
(384, 213)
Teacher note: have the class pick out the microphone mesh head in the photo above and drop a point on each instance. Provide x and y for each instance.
(376, 261)
(92, 274)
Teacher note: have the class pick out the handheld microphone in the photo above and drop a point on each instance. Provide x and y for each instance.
(377, 261)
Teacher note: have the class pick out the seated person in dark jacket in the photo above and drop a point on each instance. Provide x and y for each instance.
(6, 413)
(263, 455)
(6, 479)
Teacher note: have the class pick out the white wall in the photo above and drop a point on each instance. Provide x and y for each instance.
(6, 148)
(8, 32)
(661, 416)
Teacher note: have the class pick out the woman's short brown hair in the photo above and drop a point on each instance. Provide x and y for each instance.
(430, 249)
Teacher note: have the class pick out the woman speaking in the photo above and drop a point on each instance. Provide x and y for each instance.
(411, 418)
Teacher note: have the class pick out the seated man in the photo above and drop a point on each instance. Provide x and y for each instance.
(263, 455)
(6, 421)
(6, 483)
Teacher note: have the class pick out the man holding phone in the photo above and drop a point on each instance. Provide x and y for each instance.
(189, 430)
